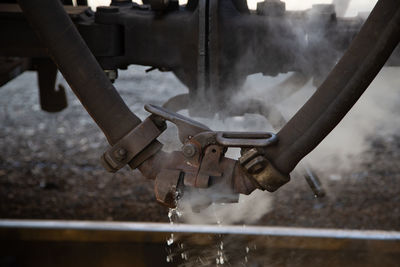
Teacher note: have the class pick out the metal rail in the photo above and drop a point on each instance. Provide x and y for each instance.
(94, 243)
(203, 229)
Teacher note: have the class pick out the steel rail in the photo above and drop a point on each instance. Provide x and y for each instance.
(203, 229)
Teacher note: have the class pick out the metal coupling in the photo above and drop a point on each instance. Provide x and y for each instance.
(202, 163)
(261, 171)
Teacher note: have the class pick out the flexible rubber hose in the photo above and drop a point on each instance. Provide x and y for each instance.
(79, 67)
(346, 83)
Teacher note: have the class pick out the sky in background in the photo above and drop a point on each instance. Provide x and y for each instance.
(355, 5)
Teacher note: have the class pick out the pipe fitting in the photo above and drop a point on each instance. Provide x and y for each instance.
(261, 171)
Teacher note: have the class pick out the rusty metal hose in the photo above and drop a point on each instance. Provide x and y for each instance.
(79, 67)
(343, 87)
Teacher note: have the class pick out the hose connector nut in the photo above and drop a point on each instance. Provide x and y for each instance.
(261, 171)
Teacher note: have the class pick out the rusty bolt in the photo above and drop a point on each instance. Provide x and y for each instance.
(189, 150)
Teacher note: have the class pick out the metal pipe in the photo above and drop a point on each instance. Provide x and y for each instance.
(79, 67)
(343, 87)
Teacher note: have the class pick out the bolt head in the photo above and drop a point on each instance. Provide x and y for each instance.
(120, 154)
(189, 150)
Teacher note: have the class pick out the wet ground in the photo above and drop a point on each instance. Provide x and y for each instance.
(49, 165)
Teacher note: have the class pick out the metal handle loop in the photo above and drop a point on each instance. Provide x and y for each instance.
(246, 139)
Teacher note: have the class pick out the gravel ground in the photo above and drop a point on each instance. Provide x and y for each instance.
(49, 164)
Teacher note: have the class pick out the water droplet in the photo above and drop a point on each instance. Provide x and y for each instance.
(170, 240)
(184, 255)
(170, 258)
(174, 215)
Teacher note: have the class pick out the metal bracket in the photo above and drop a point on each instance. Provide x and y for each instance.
(210, 166)
(130, 146)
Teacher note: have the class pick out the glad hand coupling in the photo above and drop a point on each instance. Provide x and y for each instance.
(201, 163)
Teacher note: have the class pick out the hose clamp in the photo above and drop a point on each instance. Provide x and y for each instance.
(134, 145)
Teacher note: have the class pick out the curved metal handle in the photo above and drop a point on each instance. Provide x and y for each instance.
(246, 139)
(187, 127)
